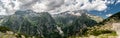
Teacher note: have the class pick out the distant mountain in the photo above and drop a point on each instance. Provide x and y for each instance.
(96, 18)
(72, 21)
(68, 17)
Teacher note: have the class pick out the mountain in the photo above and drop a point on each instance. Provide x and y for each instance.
(112, 23)
(68, 17)
(32, 23)
(96, 18)
(46, 25)
(108, 28)
(72, 21)
(114, 18)
(108, 22)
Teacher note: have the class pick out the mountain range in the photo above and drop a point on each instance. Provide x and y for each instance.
(60, 25)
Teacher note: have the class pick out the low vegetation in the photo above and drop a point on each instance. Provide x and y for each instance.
(4, 29)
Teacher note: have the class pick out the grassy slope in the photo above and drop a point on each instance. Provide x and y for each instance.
(102, 29)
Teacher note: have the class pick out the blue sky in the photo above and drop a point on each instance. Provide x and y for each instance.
(111, 9)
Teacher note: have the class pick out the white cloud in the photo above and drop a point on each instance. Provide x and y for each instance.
(108, 15)
(118, 1)
(2, 11)
(39, 7)
(47, 5)
(54, 6)
(98, 5)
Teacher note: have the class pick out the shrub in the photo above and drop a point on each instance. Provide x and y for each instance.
(4, 29)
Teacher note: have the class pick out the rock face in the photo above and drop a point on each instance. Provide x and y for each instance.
(68, 17)
(72, 22)
(116, 27)
(96, 18)
(31, 23)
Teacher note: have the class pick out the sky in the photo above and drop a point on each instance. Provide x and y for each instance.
(111, 9)
(103, 8)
